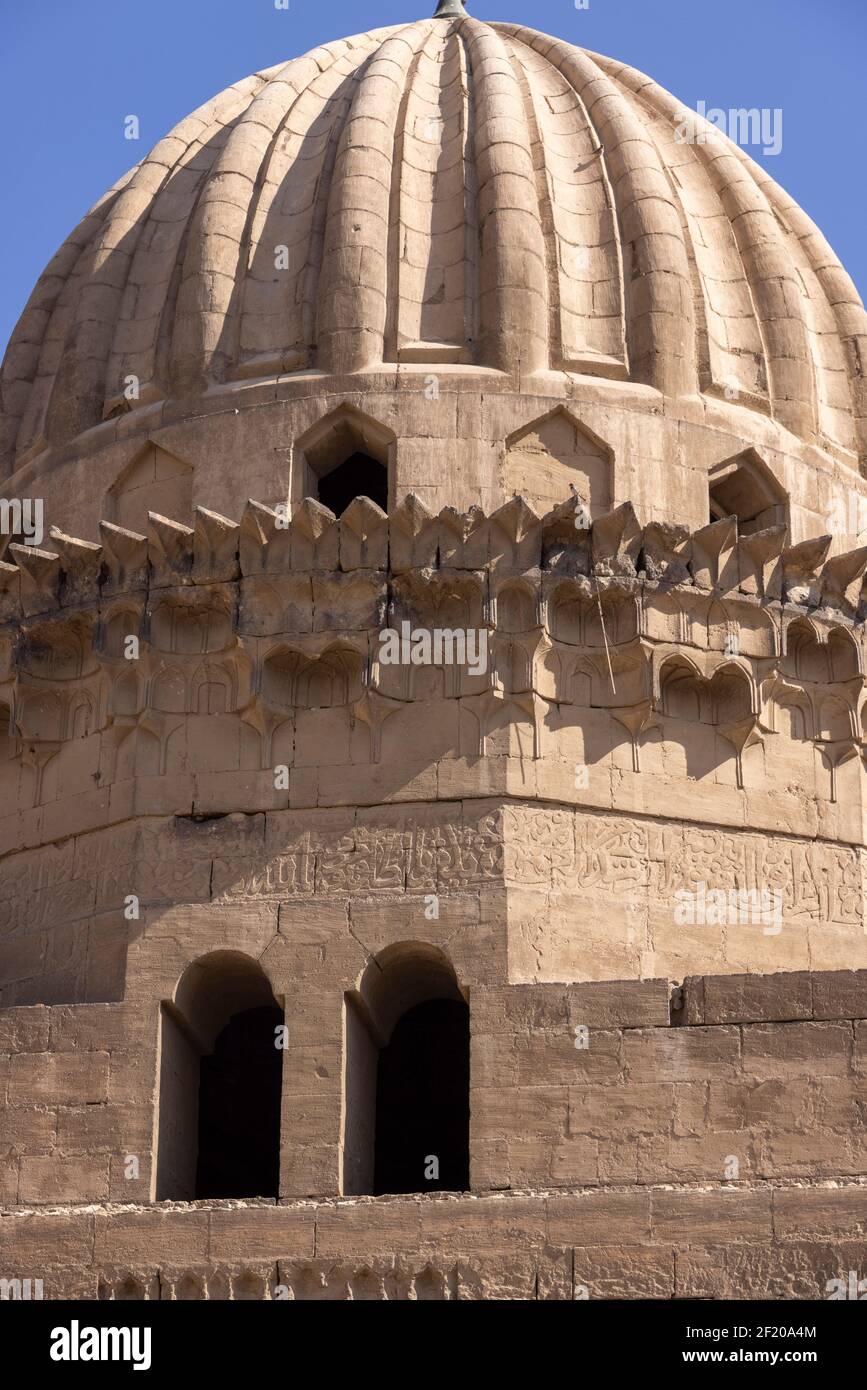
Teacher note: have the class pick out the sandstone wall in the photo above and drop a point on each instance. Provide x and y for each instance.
(453, 450)
(524, 893)
(770, 1072)
(777, 1242)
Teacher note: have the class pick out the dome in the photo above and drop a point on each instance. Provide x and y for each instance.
(471, 199)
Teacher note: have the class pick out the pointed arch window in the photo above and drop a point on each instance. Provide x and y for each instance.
(345, 455)
(744, 487)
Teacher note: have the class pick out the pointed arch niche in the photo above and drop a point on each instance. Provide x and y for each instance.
(345, 455)
(542, 459)
(406, 1076)
(154, 481)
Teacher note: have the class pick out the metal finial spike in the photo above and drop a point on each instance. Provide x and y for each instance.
(450, 9)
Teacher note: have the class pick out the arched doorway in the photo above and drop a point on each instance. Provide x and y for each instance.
(407, 1076)
(220, 1083)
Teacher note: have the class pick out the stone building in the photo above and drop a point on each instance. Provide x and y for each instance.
(536, 973)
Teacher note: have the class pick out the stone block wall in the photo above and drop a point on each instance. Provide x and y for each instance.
(753, 1077)
(78, 1088)
(550, 892)
(751, 1080)
(597, 1171)
(776, 1242)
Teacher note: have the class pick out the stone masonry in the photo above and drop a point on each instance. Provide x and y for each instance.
(611, 386)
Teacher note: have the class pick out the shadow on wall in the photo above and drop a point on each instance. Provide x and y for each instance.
(744, 487)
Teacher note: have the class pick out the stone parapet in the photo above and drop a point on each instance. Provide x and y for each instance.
(778, 1241)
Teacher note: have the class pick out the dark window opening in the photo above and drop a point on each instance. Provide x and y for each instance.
(743, 489)
(422, 1102)
(406, 1076)
(358, 476)
(239, 1109)
(219, 1111)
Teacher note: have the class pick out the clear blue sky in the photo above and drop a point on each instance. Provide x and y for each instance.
(71, 70)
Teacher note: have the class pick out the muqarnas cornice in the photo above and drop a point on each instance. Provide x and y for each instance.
(272, 626)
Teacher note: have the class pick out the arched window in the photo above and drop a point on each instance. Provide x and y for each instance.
(745, 487)
(220, 1083)
(345, 455)
(407, 1076)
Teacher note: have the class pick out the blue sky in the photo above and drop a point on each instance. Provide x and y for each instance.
(71, 71)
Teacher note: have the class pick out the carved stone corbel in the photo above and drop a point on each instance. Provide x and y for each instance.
(801, 564)
(714, 555)
(636, 720)
(834, 754)
(741, 734)
(373, 709)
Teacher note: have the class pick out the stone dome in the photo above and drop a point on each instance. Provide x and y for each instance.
(476, 200)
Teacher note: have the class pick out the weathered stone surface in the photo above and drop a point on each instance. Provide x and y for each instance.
(150, 1238)
(715, 1217)
(59, 1078)
(262, 1233)
(750, 998)
(589, 1218)
(503, 370)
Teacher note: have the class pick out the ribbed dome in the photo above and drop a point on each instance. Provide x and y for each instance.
(447, 191)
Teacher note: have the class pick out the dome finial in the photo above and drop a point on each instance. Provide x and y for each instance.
(450, 9)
